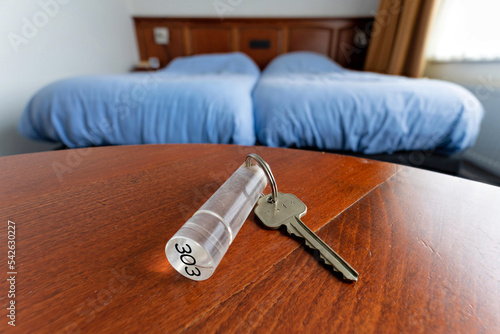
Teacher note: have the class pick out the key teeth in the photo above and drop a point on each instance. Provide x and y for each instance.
(321, 256)
(328, 263)
(335, 269)
(309, 245)
(293, 231)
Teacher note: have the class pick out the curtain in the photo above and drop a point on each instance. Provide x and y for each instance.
(399, 36)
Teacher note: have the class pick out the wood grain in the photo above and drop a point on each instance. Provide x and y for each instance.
(91, 245)
(427, 248)
(213, 35)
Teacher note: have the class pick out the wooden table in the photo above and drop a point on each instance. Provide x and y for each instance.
(91, 226)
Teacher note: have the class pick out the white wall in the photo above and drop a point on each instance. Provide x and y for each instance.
(253, 8)
(78, 37)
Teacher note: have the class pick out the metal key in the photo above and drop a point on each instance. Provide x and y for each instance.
(287, 210)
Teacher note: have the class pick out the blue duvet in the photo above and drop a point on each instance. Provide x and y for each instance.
(306, 100)
(199, 99)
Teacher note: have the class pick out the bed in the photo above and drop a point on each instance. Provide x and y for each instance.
(311, 94)
(306, 100)
(197, 99)
(203, 92)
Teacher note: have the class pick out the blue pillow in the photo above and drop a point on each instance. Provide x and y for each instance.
(224, 63)
(302, 62)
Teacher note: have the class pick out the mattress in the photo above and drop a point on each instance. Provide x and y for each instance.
(306, 100)
(197, 99)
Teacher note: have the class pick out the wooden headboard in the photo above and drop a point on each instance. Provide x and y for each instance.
(344, 40)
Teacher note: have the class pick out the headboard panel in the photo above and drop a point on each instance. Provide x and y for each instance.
(345, 40)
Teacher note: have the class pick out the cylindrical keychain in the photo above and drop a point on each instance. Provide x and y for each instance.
(198, 247)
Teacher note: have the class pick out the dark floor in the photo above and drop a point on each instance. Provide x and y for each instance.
(454, 165)
(472, 172)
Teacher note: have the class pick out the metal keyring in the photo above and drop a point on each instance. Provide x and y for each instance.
(267, 171)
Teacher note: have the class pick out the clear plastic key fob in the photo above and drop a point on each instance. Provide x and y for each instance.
(199, 245)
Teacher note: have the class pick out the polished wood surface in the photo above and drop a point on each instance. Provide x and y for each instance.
(92, 225)
(345, 40)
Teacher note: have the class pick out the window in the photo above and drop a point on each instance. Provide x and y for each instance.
(466, 30)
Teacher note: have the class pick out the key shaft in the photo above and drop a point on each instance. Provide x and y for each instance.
(287, 211)
(295, 226)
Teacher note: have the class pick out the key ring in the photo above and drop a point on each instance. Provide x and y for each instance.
(267, 171)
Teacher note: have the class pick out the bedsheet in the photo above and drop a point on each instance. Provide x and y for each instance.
(197, 99)
(306, 100)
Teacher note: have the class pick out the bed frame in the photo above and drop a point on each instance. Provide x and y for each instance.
(345, 40)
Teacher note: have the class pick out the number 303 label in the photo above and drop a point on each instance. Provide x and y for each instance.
(188, 260)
